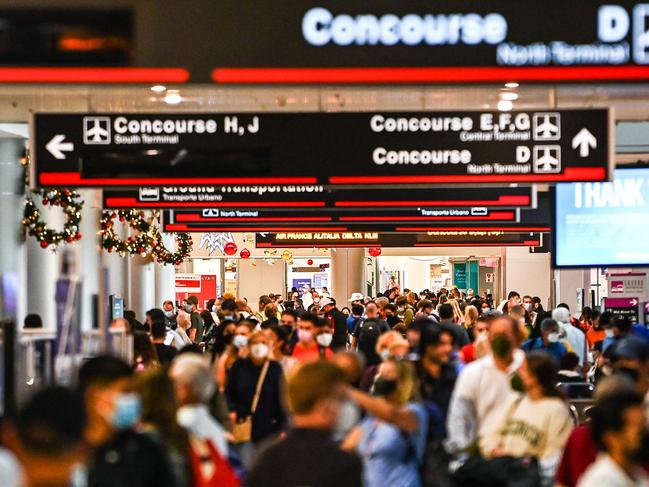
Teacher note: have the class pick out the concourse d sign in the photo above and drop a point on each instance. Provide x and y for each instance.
(103, 150)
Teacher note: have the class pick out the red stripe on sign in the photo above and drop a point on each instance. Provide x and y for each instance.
(196, 218)
(502, 215)
(180, 227)
(469, 74)
(473, 229)
(128, 202)
(570, 174)
(291, 245)
(75, 179)
(92, 75)
(501, 201)
(469, 244)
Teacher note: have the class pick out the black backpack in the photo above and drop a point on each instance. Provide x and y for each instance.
(368, 335)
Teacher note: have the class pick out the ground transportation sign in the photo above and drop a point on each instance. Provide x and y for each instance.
(316, 196)
(620, 206)
(123, 149)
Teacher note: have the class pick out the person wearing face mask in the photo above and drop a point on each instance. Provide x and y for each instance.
(534, 424)
(528, 304)
(573, 335)
(169, 311)
(121, 457)
(236, 349)
(550, 340)
(195, 332)
(324, 338)
(597, 333)
(482, 387)
(307, 348)
(279, 338)
(254, 395)
(391, 439)
(390, 345)
(405, 313)
(480, 345)
(316, 395)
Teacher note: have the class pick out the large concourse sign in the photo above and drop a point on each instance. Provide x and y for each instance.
(127, 149)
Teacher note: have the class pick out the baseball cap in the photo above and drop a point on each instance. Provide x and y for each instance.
(326, 302)
(356, 297)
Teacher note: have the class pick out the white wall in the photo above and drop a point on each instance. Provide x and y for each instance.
(255, 281)
(527, 273)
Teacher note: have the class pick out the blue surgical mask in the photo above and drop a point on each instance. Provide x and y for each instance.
(349, 416)
(189, 308)
(169, 314)
(240, 341)
(128, 409)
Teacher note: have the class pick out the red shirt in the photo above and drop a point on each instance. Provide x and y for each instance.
(580, 452)
(304, 354)
(468, 353)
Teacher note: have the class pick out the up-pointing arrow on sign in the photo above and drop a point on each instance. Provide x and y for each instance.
(57, 147)
(585, 141)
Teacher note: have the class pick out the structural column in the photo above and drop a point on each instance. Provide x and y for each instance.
(89, 255)
(348, 274)
(12, 254)
(165, 276)
(142, 296)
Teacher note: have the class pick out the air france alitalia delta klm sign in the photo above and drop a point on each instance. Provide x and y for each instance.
(321, 148)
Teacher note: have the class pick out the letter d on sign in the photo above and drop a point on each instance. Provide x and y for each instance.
(612, 23)
(523, 153)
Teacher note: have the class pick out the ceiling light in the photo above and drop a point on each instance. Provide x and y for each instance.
(508, 95)
(172, 98)
(158, 88)
(505, 105)
(511, 85)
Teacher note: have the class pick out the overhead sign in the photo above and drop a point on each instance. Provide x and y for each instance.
(448, 238)
(316, 196)
(141, 149)
(385, 41)
(621, 207)
(379, 219)
(623, 307)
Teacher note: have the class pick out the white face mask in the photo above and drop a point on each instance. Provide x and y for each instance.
(214, 309)
(553, 337)
(385, 354)
(324, 339)
(169, 314)
(259, 350)
(240, 341)
(189, 308)
(481, 336)
(609, 333)
(348, 417)
(527, 306)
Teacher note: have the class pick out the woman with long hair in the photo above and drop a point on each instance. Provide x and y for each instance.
(535, 424)
(470, 318)
(237, 349)
(144, 352)
(392, 437)
(159, 421)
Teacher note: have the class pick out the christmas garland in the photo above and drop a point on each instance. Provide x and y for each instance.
(69, 201)
(148, 241)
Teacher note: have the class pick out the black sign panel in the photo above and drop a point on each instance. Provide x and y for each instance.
(448, 238)
(429, 41)
(215, 218)
(315, 196)
(321, 148)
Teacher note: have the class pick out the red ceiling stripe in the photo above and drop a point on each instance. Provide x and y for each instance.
(75, 179)
(469, 74)
(180, 227)
(92, 75)
(501, 216)
(128, 202)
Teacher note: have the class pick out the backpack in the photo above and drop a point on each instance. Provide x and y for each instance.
(368, 335)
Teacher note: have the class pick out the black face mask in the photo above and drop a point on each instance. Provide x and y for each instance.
(384, 387)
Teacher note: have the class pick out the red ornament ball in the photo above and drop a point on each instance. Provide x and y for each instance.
(309, 262)
(69, 238)
(230, 248)
(77, 236)
(375, 251)
(245, 253)
(46, 201)
(44, 244)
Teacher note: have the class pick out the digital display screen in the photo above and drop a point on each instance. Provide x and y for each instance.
(603, 224)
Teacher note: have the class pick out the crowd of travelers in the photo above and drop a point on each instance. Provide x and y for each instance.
(430, 389)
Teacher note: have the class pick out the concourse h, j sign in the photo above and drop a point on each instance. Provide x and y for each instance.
(129, 149)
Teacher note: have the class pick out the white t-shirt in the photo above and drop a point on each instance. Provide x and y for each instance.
(481, 392)
(606, 473)
(576, 339)
(530, 428)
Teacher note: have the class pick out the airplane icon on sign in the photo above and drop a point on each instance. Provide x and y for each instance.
(547, 126)
(547, 159)
(96, 130)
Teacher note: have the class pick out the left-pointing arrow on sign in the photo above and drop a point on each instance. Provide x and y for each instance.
(57, 147)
